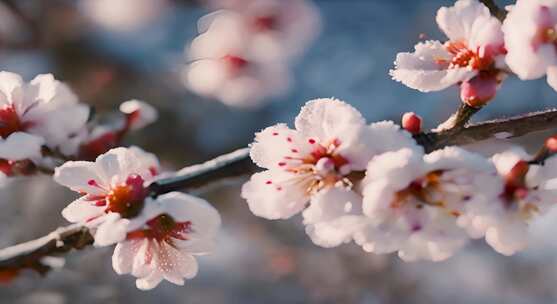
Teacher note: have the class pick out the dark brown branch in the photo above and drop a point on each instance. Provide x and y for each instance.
(29, 255)
(499, 128)
(494, 9)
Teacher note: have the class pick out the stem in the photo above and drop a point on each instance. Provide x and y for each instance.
(459, 119)
(29, 255)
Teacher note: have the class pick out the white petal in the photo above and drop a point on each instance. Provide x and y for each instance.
(279, 147)
(507, 238)
(398, 168)
(149, 282)
(333, 217)
(506, 160)
(284, 197)
(82, 211)
(80, 176)
(113, 230)
(426, 69)
(375, 139)
(454, 158)
(147, 114)
(457, 22)
(124, 254)
(327, 118)
(19, 146)
(9, 82)
(332, 203)
(205, 77)
(144, 262)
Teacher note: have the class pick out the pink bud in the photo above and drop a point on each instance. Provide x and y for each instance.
(551, 143)
(412, 122)
(477, 91)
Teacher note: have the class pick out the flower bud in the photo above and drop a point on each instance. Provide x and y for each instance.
(477, 91)
(412, 122)
(551, 144)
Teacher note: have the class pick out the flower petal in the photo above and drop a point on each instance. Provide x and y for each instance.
(375, 139)
(20, 145)
(275, 194)
(458, 21)
(426, 69)
(149, 282)
(327, 118)
(112, 230)
(279, 147)
(81, 176)
(333, 217)
(82, 211)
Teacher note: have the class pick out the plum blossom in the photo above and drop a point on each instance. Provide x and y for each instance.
(412, 201)
(329, 146)
(113, 190)
(163, 248)
(530, 37)
(139, 114)
(525, 193)
(277, 29)
(242, 55)
(43, 112)
(472, 57)
(223, 68)
(101, 138)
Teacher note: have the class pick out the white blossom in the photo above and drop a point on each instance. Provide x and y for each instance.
(41, 112)
(413, 201)
(475, 48)
(524, 193)
(163, 248)
(223, 67)
(331, 141)
(278, 30)
(530, 38)
(113, 189)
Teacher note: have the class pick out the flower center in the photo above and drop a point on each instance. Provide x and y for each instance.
(265, 23)
(464, 57)
(163, 228)
(423, 191)
(10, 122)
(234, 63)
(128, 198)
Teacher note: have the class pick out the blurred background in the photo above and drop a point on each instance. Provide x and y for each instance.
(114, 50)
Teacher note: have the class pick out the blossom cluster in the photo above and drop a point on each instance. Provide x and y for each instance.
(243, 52)
(374, 185)
(156, 237)
(43, 123)
(481, 51)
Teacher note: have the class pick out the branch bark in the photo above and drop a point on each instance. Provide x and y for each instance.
(30, 255)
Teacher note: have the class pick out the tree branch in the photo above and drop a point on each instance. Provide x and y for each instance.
(494, 9)
(30, 255)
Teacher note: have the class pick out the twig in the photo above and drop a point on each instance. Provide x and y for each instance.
(495, 10)
(29, 255)
(499, 128)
